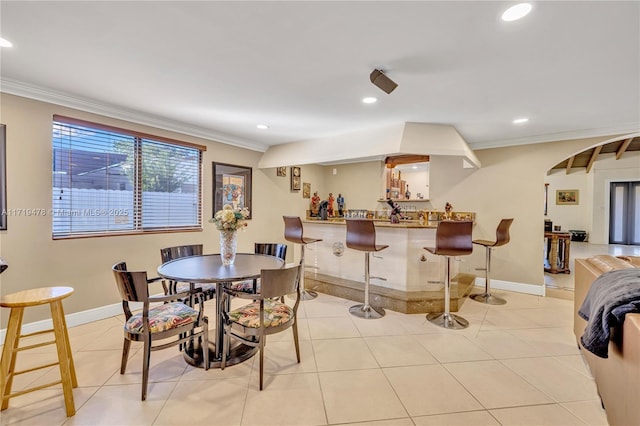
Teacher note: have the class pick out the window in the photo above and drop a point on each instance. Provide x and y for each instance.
(108, 181)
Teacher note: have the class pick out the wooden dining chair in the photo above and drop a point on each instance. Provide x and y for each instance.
(265, 316)
(247, 288)
(171, 322)
(171, 253)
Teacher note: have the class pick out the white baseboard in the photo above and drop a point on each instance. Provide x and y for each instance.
(77, 318)
(537, 290)
(103, 312)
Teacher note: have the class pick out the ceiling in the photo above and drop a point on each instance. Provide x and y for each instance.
(217, 69)
(585, 159)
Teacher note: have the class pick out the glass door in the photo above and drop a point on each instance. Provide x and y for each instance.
(624, 215)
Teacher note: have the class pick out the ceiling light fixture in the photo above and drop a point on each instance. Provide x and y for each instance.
(516, 12)
(5, 43)
(369, 100)
(378, 78)
(262, 126)
(520, 120)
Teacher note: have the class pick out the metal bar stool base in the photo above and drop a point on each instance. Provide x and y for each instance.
(304, 295)
(366, 312)
(488, 299)
(445, 320)
(308, 295)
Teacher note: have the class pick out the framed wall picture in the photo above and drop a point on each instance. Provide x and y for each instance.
(306, 190)
(295, 179)
(567, 196)
(3, 178)
(281, 171)
(231, 185)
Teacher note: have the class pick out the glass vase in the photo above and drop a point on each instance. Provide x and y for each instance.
(228, 246)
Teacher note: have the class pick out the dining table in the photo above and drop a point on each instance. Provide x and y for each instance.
(210, 269)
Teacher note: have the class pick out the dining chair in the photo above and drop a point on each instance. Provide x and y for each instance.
(246, 289)
(171, 322)
(266, 315)
(171, 253)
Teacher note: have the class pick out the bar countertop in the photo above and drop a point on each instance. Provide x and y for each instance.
(404, 224)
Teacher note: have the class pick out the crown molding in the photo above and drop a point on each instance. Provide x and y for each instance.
(14, 87)
(560, 136)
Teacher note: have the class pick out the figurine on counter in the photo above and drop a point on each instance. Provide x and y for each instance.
(340, 201)
(330, 205)
(448, 208)
(315, 204)
(323, 210)
(396, 214)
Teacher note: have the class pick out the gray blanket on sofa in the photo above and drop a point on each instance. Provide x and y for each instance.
(611, 296)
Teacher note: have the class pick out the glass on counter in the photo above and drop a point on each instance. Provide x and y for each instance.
(356, 214)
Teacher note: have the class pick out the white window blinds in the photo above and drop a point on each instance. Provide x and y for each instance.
(108, 180)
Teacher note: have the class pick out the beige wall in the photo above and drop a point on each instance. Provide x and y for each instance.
(592, 212)
(359, 184)
(571, 216)
(510, 183)
(607, 171)
(36, 260)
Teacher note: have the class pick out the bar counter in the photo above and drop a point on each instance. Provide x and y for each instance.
(380, 223)
(412, 279)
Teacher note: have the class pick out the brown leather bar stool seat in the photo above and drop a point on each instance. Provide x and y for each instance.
(18, 302)
(361, 236)
(502, 238)
(293, 232)
(452, 239)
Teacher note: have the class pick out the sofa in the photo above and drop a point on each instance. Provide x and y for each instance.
(618, 376)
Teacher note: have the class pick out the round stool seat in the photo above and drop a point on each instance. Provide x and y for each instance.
(17, 302)
(485, 243)
(35, 296)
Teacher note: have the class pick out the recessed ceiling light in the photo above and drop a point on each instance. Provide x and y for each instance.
(520, 120)
(262, 126)
(5, 43)
(516, 12)
(369, 100)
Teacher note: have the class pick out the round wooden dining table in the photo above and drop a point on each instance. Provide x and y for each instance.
(209, 269)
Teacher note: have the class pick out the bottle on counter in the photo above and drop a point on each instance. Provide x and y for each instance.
(407, 193)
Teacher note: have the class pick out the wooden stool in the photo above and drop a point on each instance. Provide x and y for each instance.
(17, 302)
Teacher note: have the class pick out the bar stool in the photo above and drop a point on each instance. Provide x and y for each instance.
(293, 233)
(452, 239)
(361, 235)
(502, 238)
(17, 302)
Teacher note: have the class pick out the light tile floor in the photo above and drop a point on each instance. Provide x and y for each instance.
(516, 364)
(580, 250)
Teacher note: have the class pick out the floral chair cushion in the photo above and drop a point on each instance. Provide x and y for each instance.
(207, 288)
(245, 287)
(275, 314)
(162, 318)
